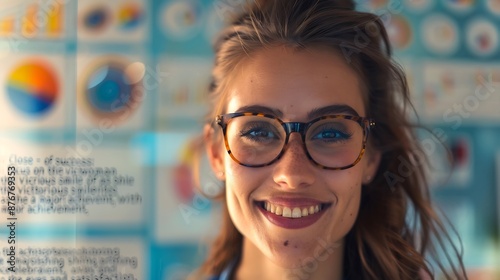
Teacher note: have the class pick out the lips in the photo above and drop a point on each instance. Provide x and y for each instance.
(292, 213)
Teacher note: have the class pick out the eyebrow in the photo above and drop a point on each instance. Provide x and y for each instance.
(331, 110)
(314, 113)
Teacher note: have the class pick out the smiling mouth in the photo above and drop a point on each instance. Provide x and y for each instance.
(293, 212)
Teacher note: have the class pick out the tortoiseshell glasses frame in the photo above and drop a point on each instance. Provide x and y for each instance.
(289, 127)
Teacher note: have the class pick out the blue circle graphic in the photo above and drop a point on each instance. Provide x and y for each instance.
(109, 89)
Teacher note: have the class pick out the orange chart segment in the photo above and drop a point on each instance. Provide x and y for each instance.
(32, 87)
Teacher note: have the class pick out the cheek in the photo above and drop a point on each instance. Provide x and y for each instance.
(349, 201)
(241, 182)
(346, 186)
(353, 200)
(236, 200)
(346, 183)
(236, 192)
(352, 190)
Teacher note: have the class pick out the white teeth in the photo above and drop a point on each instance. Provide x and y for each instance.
(305, 212)
(296, 212)
(287, 212)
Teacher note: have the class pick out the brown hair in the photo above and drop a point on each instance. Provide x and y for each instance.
(397, 233)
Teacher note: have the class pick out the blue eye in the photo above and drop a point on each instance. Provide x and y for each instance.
(259, 133)
(331, 135)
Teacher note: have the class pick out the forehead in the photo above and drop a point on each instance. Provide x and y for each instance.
(295, 82)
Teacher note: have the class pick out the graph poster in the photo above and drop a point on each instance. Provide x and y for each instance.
(102, 102)
(98, 108)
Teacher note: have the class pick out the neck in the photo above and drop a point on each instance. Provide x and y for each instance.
(323, 265)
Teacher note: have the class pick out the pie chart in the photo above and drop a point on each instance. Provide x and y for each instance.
(130, 16)
(96, 18)
(32, 87)
(112, 89)
(109, 89)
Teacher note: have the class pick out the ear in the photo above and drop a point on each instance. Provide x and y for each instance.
(373, 157)
(215, 151)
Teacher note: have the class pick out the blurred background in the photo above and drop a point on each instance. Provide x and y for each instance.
(100, 102)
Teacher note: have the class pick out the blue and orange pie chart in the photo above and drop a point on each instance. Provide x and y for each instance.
(112, 88)
(109, 89)
(130, 16)
(32, 87)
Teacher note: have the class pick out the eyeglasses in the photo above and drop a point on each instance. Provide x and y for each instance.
(332, 142)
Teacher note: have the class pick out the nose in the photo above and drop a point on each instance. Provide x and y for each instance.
(294, 169)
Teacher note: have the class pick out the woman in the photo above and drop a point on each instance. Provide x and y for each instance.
(320, 166)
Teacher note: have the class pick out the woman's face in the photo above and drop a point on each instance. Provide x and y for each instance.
(294, 85)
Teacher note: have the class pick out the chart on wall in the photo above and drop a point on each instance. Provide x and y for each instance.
(102, 104)
(99, 103)
(453, 50)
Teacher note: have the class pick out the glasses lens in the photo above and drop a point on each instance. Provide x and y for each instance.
(255, 140)
(335, 142)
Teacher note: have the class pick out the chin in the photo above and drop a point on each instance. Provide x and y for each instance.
(292, 254)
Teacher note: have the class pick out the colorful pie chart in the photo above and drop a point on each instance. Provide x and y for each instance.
(493, 6)
(130, 16)
(112, 89)
(108, 89)
(482, 37)
(440, 34)
(182, 19)
(95, 18)
(399, 31)
(32, 87)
